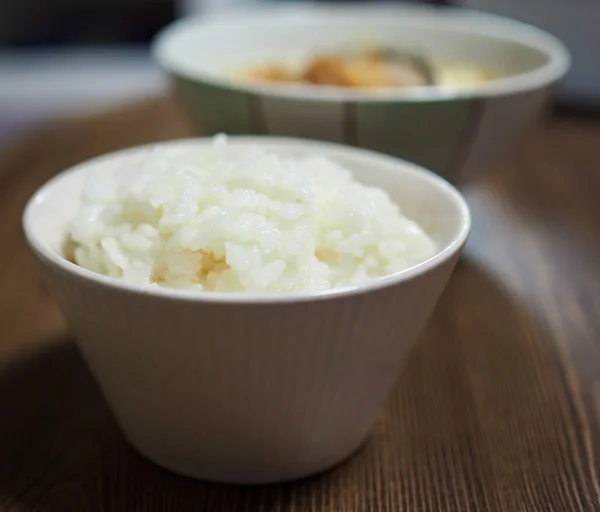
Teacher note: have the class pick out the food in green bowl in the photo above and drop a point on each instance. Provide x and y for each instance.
(453, 129)
(372, 67)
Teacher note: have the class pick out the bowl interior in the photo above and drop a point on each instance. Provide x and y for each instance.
(502, 46)
(424, 197)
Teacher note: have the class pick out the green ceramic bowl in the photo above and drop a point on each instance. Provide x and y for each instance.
(450, 131)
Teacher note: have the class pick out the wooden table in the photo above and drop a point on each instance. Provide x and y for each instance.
(498, 408)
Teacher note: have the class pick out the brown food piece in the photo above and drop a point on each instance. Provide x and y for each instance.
(273, 74)
(359, 72)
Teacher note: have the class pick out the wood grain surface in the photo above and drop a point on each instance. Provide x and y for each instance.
(498, 408)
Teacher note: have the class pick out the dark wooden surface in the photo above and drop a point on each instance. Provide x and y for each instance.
(498, 408)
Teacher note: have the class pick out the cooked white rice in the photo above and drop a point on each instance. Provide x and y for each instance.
(228, 219)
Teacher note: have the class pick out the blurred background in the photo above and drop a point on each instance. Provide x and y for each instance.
(66, 57)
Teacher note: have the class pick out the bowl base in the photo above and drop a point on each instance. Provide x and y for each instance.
(196, 469)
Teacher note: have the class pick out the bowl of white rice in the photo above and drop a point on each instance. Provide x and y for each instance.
(246, 304)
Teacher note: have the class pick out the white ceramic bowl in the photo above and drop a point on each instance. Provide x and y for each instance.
(250, 388)
(454, 132)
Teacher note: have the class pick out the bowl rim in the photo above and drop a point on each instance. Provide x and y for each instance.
(329, 150)
(475, 22)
